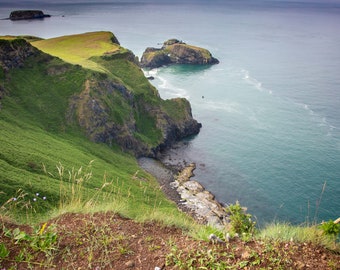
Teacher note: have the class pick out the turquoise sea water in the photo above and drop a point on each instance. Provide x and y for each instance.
(270, 110)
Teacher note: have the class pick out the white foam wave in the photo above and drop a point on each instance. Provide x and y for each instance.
(152, 72)
(165, 88)
(164, 82)
(320, 120)
(254, 82)
(305, 107)
(330, 127)
(232, 107)
(237, 109)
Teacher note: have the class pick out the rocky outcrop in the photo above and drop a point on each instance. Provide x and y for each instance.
(13, 53)
(94, 116)
(174, 51)
(27, 15)
(173, 129)
(202, 203)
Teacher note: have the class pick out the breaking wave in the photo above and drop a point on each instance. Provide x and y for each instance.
(167, 89)
(254, 82)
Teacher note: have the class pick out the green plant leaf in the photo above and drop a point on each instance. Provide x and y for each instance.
(4, 252)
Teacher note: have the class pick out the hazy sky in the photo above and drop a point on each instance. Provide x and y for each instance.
(122, 1)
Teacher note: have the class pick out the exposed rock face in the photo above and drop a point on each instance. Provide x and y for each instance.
(14, 53)
(200, 201)
(175, 130)
(27, 15)
(174, 51)
(94, 116)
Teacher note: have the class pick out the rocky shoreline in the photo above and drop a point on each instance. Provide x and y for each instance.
(189, 195)
(200, 202)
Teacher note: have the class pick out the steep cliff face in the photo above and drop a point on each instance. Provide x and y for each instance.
(174, 51)
(108, 112)
(116, 107)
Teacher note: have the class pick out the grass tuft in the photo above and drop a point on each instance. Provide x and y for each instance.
(286, 232)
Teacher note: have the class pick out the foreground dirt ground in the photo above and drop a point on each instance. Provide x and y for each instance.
(108, 241)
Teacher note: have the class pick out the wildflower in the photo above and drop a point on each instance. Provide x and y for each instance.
(37, 194)
(14, 199)
(34, 199)
(44, 198)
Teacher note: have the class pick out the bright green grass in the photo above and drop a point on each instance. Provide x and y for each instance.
(77, 49)
(37, 137)
(44, 100)
(130, 75)
(26, 150)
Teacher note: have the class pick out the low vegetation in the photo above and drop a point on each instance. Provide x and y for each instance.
(107, 240)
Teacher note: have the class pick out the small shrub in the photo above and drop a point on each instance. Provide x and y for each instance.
(240, 221)
(330, 228)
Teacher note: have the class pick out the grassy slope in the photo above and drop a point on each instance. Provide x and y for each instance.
(77, 49)
(94, 46)
(34, 134)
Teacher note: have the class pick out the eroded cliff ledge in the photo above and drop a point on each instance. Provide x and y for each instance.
(174, 51)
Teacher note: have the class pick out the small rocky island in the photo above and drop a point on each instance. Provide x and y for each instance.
(174, 51)
(27, 15)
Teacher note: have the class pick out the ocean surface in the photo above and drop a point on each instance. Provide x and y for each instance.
(270, 110)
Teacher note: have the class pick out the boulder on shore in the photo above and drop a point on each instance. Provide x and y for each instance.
(174, 51)
(27, 15)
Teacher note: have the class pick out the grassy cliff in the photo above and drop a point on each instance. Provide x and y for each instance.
(79, 103)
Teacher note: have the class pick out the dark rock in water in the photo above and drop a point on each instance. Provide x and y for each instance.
(150, 78)
(174, 51)
(27, 15)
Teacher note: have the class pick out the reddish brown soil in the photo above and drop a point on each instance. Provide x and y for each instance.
(107, 241)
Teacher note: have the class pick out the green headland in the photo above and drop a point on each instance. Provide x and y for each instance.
(75, 113)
